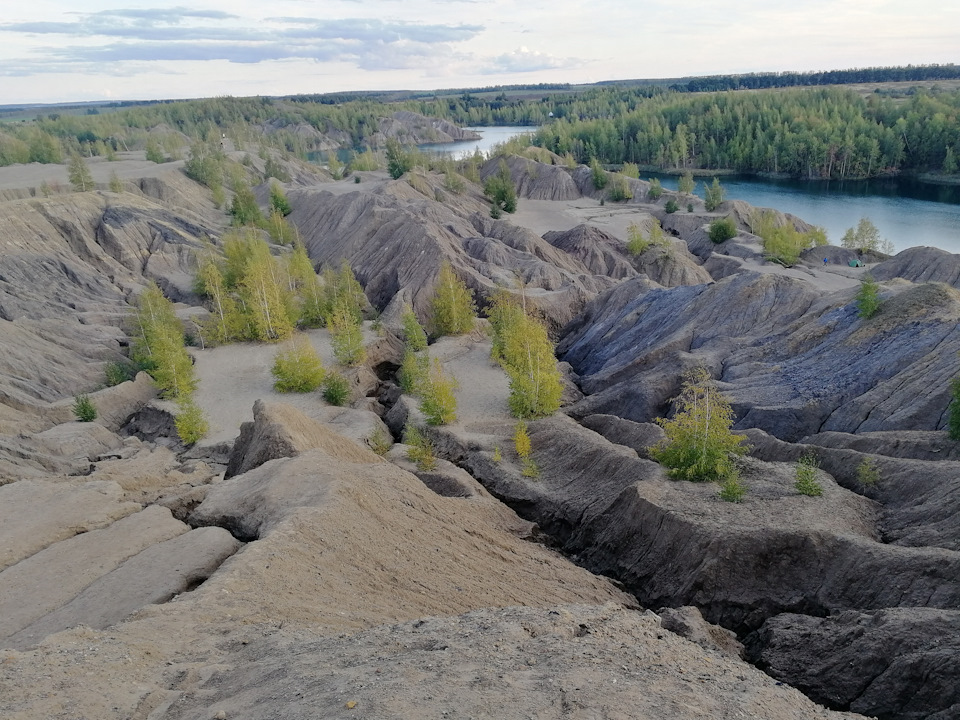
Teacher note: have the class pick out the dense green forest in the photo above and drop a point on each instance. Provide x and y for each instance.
(758, 81)
(828, 132)
(824, 133)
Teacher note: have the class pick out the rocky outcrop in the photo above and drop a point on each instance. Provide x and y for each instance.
(897, 663)
(600, 253)
(792, 360)
(534, 180)
(921, 265)
(280, 431)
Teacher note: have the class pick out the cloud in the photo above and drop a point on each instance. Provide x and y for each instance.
(180, 34)
(524, 60)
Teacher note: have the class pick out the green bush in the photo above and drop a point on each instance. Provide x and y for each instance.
(671, 206)
(420, 448)
(118, 372)
(868, 297)
(868, 474)
(713, 195)
(336, 388)
(297, 368)
(655, 190)
(452, 309)
(599, 175)
(732, 488)
(84, 409)
(620, 189)
(722, 229)
(190, 422)
(699, 444)
(806, 477)
(953, 423)
(438, 403)
(413, 333)
(379, 441)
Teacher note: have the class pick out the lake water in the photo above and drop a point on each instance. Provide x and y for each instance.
(490, 136)
(907, 212)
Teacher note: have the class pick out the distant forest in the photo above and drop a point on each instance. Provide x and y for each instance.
(826, 132)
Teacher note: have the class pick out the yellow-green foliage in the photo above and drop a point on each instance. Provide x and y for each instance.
(297, 367)
(806, 477)
(438, 402)
(159, 345)
(340, 287)
(413, 334)
(521, 441)
(364, 161)
(630, 170)
(413, 371)
(783, 243)
(637, 244)
(868, 474)
(379, 441)
(190, 422)
(420, 448)
(83, 408)
(336, 388)
(452, 308)
(266, 295)
(523, 348)
(620, 188)
(346, 335)
(699, 445)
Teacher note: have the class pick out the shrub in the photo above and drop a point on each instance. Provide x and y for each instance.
(722, 229)
(620, 189)
(598, 173)
(497, 454)
(420, 448)
(732, 488)
(413, 334)
(521, 441)
(118, 372)
(438, 403)
(399, 160)
(868, 297)
(655, 190)
(630, 170)
(501, 191)
(866, 237)
(671, 206)
(686, 184)
(806, 477)
(868, 474)
(336, 388)
(297, 368)
(953, 422)
(84, 409)
(413, 372)
(190, 422)
(346, 336)
(636, 243)
(689, 207)
(713, 195)
(452, 309)
(699, 445)
(379, 441)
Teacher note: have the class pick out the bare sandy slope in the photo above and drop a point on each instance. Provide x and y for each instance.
(128, 166)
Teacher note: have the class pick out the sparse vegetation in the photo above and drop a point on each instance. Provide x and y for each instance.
(501, 191)
(598, 174)
(723, 229)
(732, 488)
(524, 449)
(953, 421)
(420, 448)
(118, 372)
(619, 189)
(414, 336)
(297, 368)
(336, 388)
(438, 402)
(806, 482)
(782, 242)
(523, 348)
(79, 174)
(671, 206)
(866, 238)
(713, 195)
(868, 474)
(346, 335)
(655, 190)
(399, 160)
(452, 309)
(190, 422)
(379, 441)
(83, 408)
(868, 297)
(159, 347)
(699, 445)
(686, 185)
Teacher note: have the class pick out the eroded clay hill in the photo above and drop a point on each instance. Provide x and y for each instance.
(282, 569)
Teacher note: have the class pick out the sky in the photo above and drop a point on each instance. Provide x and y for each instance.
(91, 50)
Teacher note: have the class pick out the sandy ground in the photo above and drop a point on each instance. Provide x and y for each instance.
(233, 377)
(128, 166)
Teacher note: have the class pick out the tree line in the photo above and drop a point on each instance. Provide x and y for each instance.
(814, 133)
